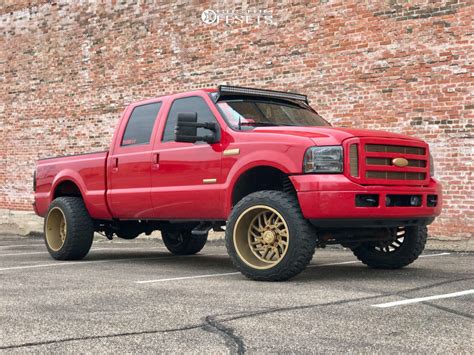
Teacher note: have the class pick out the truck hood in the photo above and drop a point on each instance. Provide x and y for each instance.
(331, 135)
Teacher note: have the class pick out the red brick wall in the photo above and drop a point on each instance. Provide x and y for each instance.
(405, 66)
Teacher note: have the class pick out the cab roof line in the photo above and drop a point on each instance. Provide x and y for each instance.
(226, 90)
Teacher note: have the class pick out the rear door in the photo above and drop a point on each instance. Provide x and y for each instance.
(187, 181)
(129, 163)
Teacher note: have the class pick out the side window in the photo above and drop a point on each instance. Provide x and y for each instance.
(140, 124)
(187, 104)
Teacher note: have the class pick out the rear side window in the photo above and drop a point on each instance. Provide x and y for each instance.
(187, 104)
(140, 124)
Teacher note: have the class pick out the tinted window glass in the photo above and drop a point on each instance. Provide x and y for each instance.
(188, 104)
(246, 113)
(141, 124)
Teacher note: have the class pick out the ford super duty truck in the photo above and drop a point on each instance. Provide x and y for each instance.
(261, 164)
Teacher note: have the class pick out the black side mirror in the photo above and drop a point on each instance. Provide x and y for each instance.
(186, 129)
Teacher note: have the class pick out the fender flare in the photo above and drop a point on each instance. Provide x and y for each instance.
(68, 175)
(238, 170)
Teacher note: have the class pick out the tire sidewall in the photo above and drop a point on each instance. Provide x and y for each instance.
(67, 215)
(69, 249)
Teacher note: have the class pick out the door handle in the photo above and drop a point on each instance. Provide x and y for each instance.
(155, 161)
(114, 165)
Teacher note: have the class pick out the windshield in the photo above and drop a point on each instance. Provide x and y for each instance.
(247, 113)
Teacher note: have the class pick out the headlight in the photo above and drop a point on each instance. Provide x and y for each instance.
(432, 169)
(323, 160)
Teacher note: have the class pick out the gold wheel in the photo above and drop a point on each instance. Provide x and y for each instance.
(261, 237)
(56, 229)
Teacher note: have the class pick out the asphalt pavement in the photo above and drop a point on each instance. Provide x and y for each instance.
(133, 296)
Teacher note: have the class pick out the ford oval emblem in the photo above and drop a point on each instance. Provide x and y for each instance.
(400, 162)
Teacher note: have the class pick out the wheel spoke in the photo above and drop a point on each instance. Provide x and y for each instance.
(268, 219)
(255, 228)
(284, 233)
(270, 253)
(261, 221)
(255, 235)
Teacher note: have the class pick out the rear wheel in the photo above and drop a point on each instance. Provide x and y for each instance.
(404, 248)
(267, 237)
(183, 242)
(68, 229)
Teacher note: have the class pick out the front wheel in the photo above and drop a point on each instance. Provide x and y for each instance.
(404, 248)
(267, 237)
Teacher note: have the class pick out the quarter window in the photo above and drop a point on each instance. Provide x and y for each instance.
(140, 124)
(188, 104)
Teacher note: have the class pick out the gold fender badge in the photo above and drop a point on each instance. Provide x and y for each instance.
(400, 162)
(229, 152)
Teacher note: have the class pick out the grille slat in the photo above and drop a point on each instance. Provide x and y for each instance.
(354, 159)
(394, 175)
(383, 148)
(388, 162)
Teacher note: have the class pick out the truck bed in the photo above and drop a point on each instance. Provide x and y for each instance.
(86, 171)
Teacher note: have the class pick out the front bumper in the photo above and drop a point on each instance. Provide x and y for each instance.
(333, 197)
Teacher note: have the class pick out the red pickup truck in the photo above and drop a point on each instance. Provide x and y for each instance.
(261, 164)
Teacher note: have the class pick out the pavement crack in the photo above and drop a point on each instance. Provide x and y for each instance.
(234, 342)
(104, 336)
(341, 302)
(449, 310)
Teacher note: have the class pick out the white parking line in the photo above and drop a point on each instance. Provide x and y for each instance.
(187, 277)
(330, 264)
(93, 249)
(21, 245)
(29, 253)
(236, 273)
(422, 299)
(99, 261)
(357, 261)
(430, 255)
(73, 263)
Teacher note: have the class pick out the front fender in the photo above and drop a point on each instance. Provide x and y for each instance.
(288, 161)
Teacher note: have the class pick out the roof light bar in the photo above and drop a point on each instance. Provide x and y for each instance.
(226, 90)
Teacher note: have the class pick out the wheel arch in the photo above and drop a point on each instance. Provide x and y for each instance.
(67, 188)
(258, 177)
(67, 184)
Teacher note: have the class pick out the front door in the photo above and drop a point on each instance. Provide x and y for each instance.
(186, 179)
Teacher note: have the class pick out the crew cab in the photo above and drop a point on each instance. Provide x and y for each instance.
(260, 164)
